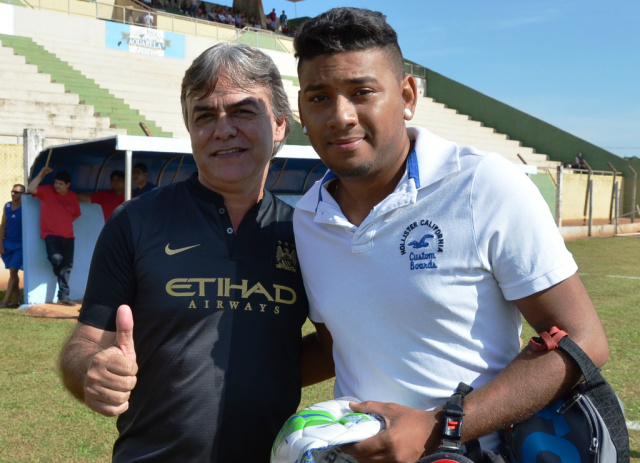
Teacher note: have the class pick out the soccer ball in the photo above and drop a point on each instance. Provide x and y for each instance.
(314, 434)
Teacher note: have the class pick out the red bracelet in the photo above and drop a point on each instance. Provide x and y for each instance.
(548, 340)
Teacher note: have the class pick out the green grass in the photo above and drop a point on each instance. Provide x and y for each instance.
(40, 422)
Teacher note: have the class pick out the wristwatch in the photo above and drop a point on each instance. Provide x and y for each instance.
(453, 417)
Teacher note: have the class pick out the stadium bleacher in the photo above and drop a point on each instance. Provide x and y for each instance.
(124, 89)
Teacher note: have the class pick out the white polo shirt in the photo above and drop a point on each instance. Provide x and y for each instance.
(417, 298)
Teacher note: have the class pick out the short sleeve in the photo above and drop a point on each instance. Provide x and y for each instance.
(111, 279)
(515, 233)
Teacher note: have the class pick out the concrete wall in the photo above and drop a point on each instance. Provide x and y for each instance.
(575, 191)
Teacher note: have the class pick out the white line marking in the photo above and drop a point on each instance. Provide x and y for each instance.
(633, 425)
(609, 276)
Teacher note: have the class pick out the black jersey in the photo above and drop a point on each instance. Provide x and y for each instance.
(217, 323)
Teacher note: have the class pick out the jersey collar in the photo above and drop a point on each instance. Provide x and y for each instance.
(431, 159)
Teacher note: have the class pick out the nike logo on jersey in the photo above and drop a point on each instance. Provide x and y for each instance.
(171, 252)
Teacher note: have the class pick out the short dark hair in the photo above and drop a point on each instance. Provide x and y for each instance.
(142, 166)
(21, 187)
(117, 173)
(345, 29)
(64, 176)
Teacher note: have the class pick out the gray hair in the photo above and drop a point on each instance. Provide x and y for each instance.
(246, 67)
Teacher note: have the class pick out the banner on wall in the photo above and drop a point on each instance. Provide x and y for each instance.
(144, 40)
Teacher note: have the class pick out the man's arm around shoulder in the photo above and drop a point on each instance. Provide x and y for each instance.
(317, 356)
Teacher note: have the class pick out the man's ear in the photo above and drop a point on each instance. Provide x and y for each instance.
(409, 90)
(279, 130)
(300, 109)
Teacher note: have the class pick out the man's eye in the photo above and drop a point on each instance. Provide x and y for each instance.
(364, 92)
(318, 98)
(202, 117)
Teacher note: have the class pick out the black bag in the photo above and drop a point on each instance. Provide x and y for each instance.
(587, 425)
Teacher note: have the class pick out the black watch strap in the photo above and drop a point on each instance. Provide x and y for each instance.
(453, 417)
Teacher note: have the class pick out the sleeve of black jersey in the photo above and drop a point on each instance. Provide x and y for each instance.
(111, 281)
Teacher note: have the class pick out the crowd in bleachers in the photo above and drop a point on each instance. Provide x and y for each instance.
(219, 14)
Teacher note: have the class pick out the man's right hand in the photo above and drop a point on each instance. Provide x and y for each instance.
(112, 372)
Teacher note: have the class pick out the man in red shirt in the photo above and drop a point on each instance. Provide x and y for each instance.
(108, 199)
(59, 207)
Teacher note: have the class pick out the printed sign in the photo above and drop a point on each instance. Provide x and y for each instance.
(144, 40)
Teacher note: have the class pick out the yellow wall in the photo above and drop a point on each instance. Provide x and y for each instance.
(11, 170)
(574, 193)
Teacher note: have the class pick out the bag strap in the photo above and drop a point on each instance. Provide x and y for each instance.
(597, 388)
(592, 376)
(602, 396)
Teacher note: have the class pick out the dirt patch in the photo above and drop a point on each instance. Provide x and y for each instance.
(53, 311)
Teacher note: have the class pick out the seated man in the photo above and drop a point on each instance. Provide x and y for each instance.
(140, 177)
(109, 200)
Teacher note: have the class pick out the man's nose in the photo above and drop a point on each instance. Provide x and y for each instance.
(225, 128)
(344, 114)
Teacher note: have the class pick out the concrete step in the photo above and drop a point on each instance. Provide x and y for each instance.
(11, 128)
(56, 120)
(44, 94)
(24, 78)
(9, 57)
(28, 106)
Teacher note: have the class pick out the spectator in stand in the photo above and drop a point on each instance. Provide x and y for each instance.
(212, 15)
(108, 199)
(283, 21)
(59, 207)
(140, 176)
(222, 17)
(184, 7)
(273, 25)
(11, 244)
(579, 162)
(147, 19)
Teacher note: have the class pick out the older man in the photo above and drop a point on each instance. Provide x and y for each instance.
(207, 270)
(420, 256)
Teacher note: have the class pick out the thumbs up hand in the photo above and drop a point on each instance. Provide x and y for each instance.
(124, 332)
(111, 373)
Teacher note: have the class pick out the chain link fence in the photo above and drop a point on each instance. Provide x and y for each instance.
(11, 169)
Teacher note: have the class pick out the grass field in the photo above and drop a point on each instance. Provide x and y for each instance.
(40, 422)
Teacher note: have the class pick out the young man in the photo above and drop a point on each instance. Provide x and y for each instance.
(59, 207)
(207, 270)
(420, 255)
(11, 245)
(140, 177)
(109, 200)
